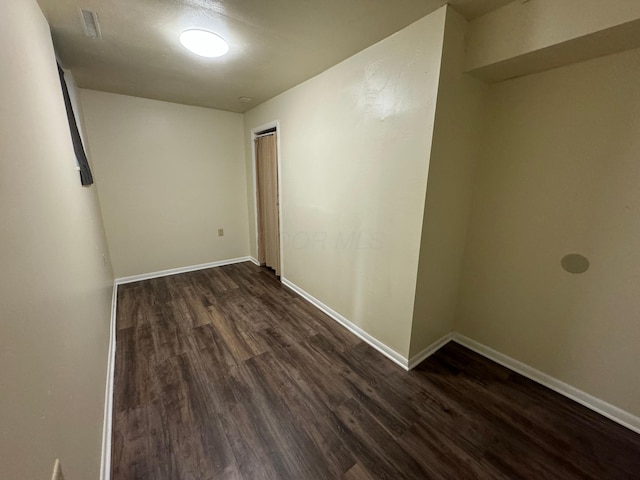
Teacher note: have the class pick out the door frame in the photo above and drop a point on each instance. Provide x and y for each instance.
(254, 133)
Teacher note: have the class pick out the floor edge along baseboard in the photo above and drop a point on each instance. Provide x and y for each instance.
(605, 409)
(421, 356)
(177, 271)
(352, 327)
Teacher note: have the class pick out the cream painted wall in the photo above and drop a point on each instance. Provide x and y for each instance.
(456, 140)
(55, 290)
(560, 174)
(527, 37)
(355, 144)
(169, 176)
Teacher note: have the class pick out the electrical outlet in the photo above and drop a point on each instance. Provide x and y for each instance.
(221, 232)
(57, 471)
(104, 259)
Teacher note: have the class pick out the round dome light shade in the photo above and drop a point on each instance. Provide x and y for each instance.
(203, 43)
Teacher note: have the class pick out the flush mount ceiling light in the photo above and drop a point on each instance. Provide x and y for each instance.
(203, 43)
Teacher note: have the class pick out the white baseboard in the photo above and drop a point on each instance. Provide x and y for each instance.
(176, 271)
(254, 260)
(353, 328)
(105, 461)
(612, 412)
(430, 350)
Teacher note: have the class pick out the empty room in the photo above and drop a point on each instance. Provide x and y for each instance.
(296, 240)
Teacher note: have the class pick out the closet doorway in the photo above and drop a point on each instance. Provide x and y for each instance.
(267, 191)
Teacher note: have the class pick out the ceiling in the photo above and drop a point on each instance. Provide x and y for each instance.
(274, 44)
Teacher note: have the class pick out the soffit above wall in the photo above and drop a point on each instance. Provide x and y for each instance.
(274, 45)
(528, 37)
(598, 44)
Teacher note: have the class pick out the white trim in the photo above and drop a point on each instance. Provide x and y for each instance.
(57, 472)
(612, 412)
(353, 328)
(280, 218)
(105, 461)
(254, 134)
(255, 187)
(254, 260)
(430, 350)
(175, 271)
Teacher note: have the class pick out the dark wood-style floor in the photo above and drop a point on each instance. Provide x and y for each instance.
(226, 374)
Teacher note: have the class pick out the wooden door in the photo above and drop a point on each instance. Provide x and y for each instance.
(268, 201)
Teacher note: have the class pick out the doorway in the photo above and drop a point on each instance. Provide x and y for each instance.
(267, 191)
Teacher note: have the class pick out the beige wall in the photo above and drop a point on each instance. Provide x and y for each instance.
(355, 152)
(560, 174)
(169, 176)
(444, 225)
(55, 290)
(533, 36)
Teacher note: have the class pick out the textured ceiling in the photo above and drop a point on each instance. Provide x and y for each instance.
(274, 44)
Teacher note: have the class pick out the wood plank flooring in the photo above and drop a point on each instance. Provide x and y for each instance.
(226, 374)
